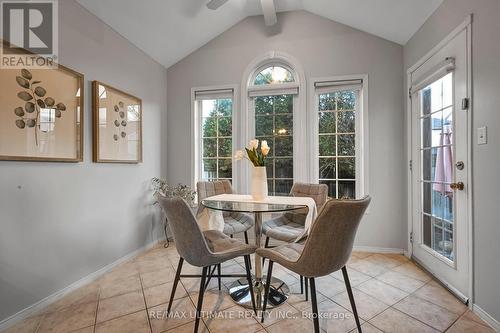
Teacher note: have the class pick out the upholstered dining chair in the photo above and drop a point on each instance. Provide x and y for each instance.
(208, 250)
(326, 250)
(234, 223)
(290, 225)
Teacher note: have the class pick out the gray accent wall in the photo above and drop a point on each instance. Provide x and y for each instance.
(323, 48)
(486, 112)
(60, 222)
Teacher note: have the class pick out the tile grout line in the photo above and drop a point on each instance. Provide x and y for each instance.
(40, 322)
(442, 307)
(120, 316)
(409, 315)
(412, 294)
(350, 310)
(404, 313)
(453, 323)
(145, 304)
(97, 308)
(188, 295)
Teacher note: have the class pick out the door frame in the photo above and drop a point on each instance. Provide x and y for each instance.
(465, 25)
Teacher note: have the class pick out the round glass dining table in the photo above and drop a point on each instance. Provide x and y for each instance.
(239, 290)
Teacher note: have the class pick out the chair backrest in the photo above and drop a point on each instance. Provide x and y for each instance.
(188, 237)
(318, 192)
(207, 189)
(331, 238)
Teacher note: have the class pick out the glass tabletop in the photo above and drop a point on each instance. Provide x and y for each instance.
(249, 207)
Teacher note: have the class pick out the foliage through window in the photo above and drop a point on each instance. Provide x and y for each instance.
(274, 123)
(273, 75)
(216, 138)
(337, 149)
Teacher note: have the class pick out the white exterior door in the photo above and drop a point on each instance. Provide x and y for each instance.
(440, 187)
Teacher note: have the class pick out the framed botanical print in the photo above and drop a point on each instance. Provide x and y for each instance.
(117, 118)
(41, 114)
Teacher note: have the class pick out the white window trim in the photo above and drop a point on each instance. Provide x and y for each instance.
(196, 131)
(300, 115)
(362, 125)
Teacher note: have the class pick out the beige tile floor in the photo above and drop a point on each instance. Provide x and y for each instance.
(392, 295)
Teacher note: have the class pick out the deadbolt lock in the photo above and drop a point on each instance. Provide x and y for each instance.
(460, 165)
(457, 186)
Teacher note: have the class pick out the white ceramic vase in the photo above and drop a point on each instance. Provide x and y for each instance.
(259, 183)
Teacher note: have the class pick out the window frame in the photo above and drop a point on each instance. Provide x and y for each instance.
(294, 153)
(306, 141)
(361, 131)
(196, 128)
(300, 116)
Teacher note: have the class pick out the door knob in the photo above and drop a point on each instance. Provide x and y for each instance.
(457, 186)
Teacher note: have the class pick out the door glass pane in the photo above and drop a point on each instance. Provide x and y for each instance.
(437, 166)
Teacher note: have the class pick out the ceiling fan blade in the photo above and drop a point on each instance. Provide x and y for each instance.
(214, 4)
(269, 12)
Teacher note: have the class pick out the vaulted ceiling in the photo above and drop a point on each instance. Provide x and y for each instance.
(169, 30)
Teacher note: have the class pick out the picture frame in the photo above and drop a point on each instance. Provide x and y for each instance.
(117, 125)
(41, 114)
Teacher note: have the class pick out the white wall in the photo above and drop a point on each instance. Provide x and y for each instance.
(323, 48)
(60, 222)
(486, 112)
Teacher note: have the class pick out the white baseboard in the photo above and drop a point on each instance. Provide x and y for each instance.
(32, 309)
(495, 324)
(375, 249)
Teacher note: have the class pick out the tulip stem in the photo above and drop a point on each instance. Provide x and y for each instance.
(37, 108)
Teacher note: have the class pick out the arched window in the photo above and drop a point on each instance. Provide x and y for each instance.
(273, 90)
(273, 75)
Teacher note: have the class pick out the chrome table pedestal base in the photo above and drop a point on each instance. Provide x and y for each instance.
(240, 293)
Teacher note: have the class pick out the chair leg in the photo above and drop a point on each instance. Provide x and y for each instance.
(306, 282)
(219, 279)
(266, 245)
(250, 283)
(266, 292)
(351, 297)
(176, 281)
(246, 237)
(210, 273)
(302, 285)
(200, 298)
(314, 305)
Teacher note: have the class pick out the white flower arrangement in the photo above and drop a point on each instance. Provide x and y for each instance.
(254, 154)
